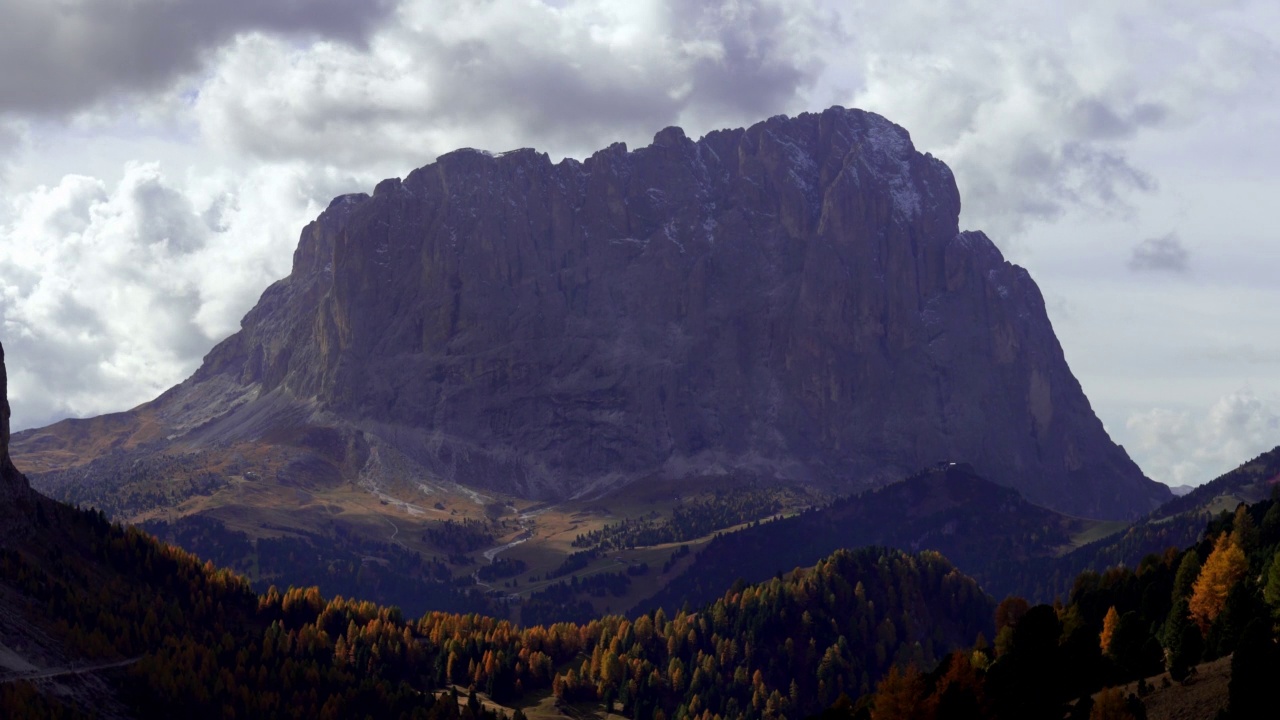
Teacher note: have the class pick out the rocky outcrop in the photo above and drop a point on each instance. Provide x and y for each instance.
(15, 493)
(794, 300)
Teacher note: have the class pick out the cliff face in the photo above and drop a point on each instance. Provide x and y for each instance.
(15, 494)
(793, 300)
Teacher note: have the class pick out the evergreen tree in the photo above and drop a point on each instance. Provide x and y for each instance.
(1185, 579)
(1254, 669)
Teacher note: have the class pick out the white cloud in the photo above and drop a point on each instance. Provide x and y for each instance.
(1179, 447)
(1034, 105)
(109, 295)
(508, 73)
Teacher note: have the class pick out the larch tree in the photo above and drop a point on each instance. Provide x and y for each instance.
(902, 696)
(1222, 570)
(1108, 629)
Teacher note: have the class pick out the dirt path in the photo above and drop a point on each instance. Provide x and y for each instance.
(38, 674)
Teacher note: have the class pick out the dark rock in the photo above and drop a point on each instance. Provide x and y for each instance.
(15, 493)
(792, 301)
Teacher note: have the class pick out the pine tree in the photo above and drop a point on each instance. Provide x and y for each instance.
(1182, 641)
(1185, 579)
(1271, 591)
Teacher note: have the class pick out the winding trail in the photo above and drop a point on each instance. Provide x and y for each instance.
(527, 525)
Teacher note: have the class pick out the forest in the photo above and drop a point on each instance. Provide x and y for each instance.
(1176, 609)
(207, 645)
(871, 633)
(689, 520)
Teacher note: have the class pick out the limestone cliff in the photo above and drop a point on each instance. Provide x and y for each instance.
(793, 300)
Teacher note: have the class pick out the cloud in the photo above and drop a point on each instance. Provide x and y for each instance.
(1185, 448)
(13, 135)
(109, 295)
(1160, 254)
(73, 53)
(1036, 113)
(1035, 108)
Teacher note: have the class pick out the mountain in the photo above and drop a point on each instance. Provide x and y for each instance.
(794, 301)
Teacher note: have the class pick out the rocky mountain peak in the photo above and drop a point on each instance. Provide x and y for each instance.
(790, 301)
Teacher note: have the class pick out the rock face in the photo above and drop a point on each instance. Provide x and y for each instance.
(792, 301)
(15, 494)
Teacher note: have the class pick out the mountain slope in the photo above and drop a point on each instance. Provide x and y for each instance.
(1252, 481)
(990, 532)
(792, 301)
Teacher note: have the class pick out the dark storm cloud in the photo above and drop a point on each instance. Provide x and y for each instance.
(1161, 254)
(60, 56)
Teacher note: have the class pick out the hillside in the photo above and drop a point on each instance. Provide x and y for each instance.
(991, 532)
(1204, 616)
(1250, 482)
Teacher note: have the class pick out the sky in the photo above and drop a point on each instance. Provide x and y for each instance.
(158, 159)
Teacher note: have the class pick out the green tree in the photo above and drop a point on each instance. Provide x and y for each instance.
(1271, 591)
(1185, 579)
(1183, 643)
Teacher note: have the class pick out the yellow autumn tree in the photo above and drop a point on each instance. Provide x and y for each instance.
(1222, 570)
(1108, 629)
(902, 696)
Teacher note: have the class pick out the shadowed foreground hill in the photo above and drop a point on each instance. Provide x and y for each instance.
(991, 533)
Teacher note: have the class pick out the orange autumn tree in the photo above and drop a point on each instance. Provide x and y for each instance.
(1222, 570)
(1108, 629)
(902, 696)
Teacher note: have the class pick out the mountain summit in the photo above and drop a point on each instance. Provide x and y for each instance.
(792, 301)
